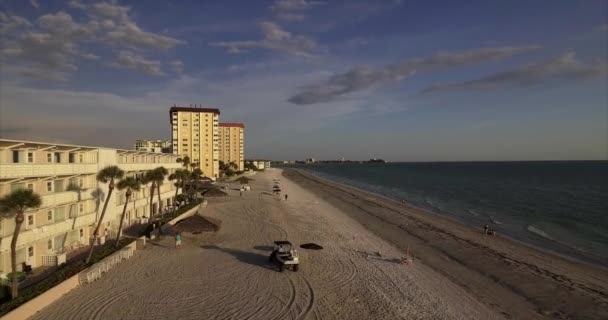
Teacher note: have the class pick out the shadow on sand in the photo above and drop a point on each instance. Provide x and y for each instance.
(264, 248)
(251, 258)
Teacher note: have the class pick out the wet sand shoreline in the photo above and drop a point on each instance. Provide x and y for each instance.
(515, 280)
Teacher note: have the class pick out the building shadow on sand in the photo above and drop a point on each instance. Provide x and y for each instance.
(264, 248)
(251, 258)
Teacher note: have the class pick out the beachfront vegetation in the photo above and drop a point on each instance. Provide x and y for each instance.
(185, 161)
(251, 166)
(131, 184)
(228, 169)
(14, 205)
(160, 173)
(106, 175)
(64, 272)
(180, 177)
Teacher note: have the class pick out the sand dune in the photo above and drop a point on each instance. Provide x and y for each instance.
(225, 275)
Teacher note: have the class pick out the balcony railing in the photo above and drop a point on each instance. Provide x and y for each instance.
(29, 236)
(16, 170)
(59, 198)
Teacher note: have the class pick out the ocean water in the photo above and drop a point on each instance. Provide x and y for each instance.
(557, 206)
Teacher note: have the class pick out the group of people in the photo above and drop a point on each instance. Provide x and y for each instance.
(488, 230)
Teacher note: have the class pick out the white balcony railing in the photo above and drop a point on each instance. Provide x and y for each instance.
(59, 198)
(15, 170)
(29, 236)
(148, 166)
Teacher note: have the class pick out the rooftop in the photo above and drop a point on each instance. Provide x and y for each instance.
(194, 109)
(232, 124)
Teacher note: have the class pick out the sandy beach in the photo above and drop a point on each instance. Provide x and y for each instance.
(515, 280)
(457, 273)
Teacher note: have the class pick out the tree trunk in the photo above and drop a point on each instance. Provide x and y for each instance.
(160, 209)
(15, 282)
(103, 213)
(160, 203)
(122, 218)
(151, 200)
(176, 191)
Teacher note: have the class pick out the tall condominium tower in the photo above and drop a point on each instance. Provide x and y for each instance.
(195, 133)
(232, 144)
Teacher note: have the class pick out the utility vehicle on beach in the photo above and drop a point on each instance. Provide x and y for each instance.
(284, 256)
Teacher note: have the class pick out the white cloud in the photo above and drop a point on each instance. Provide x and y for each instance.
(51, 48)
(275, 38)
(365, 77)
(9, 23)
(134, 61)
(76, 4)
(129, 35)
(292, 10)
(177, 66)
(566, 68)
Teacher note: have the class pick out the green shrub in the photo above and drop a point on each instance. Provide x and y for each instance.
(20, 276)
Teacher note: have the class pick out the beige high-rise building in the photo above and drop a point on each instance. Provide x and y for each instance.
(195, 133)
(232, 144)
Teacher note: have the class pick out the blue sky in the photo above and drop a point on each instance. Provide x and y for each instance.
(401, 80)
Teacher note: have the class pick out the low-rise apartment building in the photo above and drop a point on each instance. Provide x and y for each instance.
(72, 199)
(158, 146)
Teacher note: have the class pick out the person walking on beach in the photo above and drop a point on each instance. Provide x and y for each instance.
(485, 229)
(178, 239)
(285, 196)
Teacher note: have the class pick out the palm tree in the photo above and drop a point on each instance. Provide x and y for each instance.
(149, 178)
(186, 162)
(15, 204)
(179, 176)
(131, 184)
(195, 176)
(160, 174)
(106, 175)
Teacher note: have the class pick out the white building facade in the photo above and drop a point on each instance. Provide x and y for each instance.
(72, 199)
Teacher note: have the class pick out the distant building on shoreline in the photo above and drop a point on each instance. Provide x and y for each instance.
(260, 164)
(196, 134)
(158, 146)
(232, 144)
(72, 199)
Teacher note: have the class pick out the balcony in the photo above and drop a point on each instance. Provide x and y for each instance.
(29, 236)
(59, 198)
(19, 170)
(148, 166)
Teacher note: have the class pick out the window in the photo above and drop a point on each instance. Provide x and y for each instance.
(30, 251)
(184, 139)
(81, 233)
(71, 157)
(49, 244)
(30, 157)
(49, 157)
(15, 156)
(49, 215)
(30, 186)
(57, 157)
(80, 157)
(81, 207)
(49, 186)
(30, 220)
